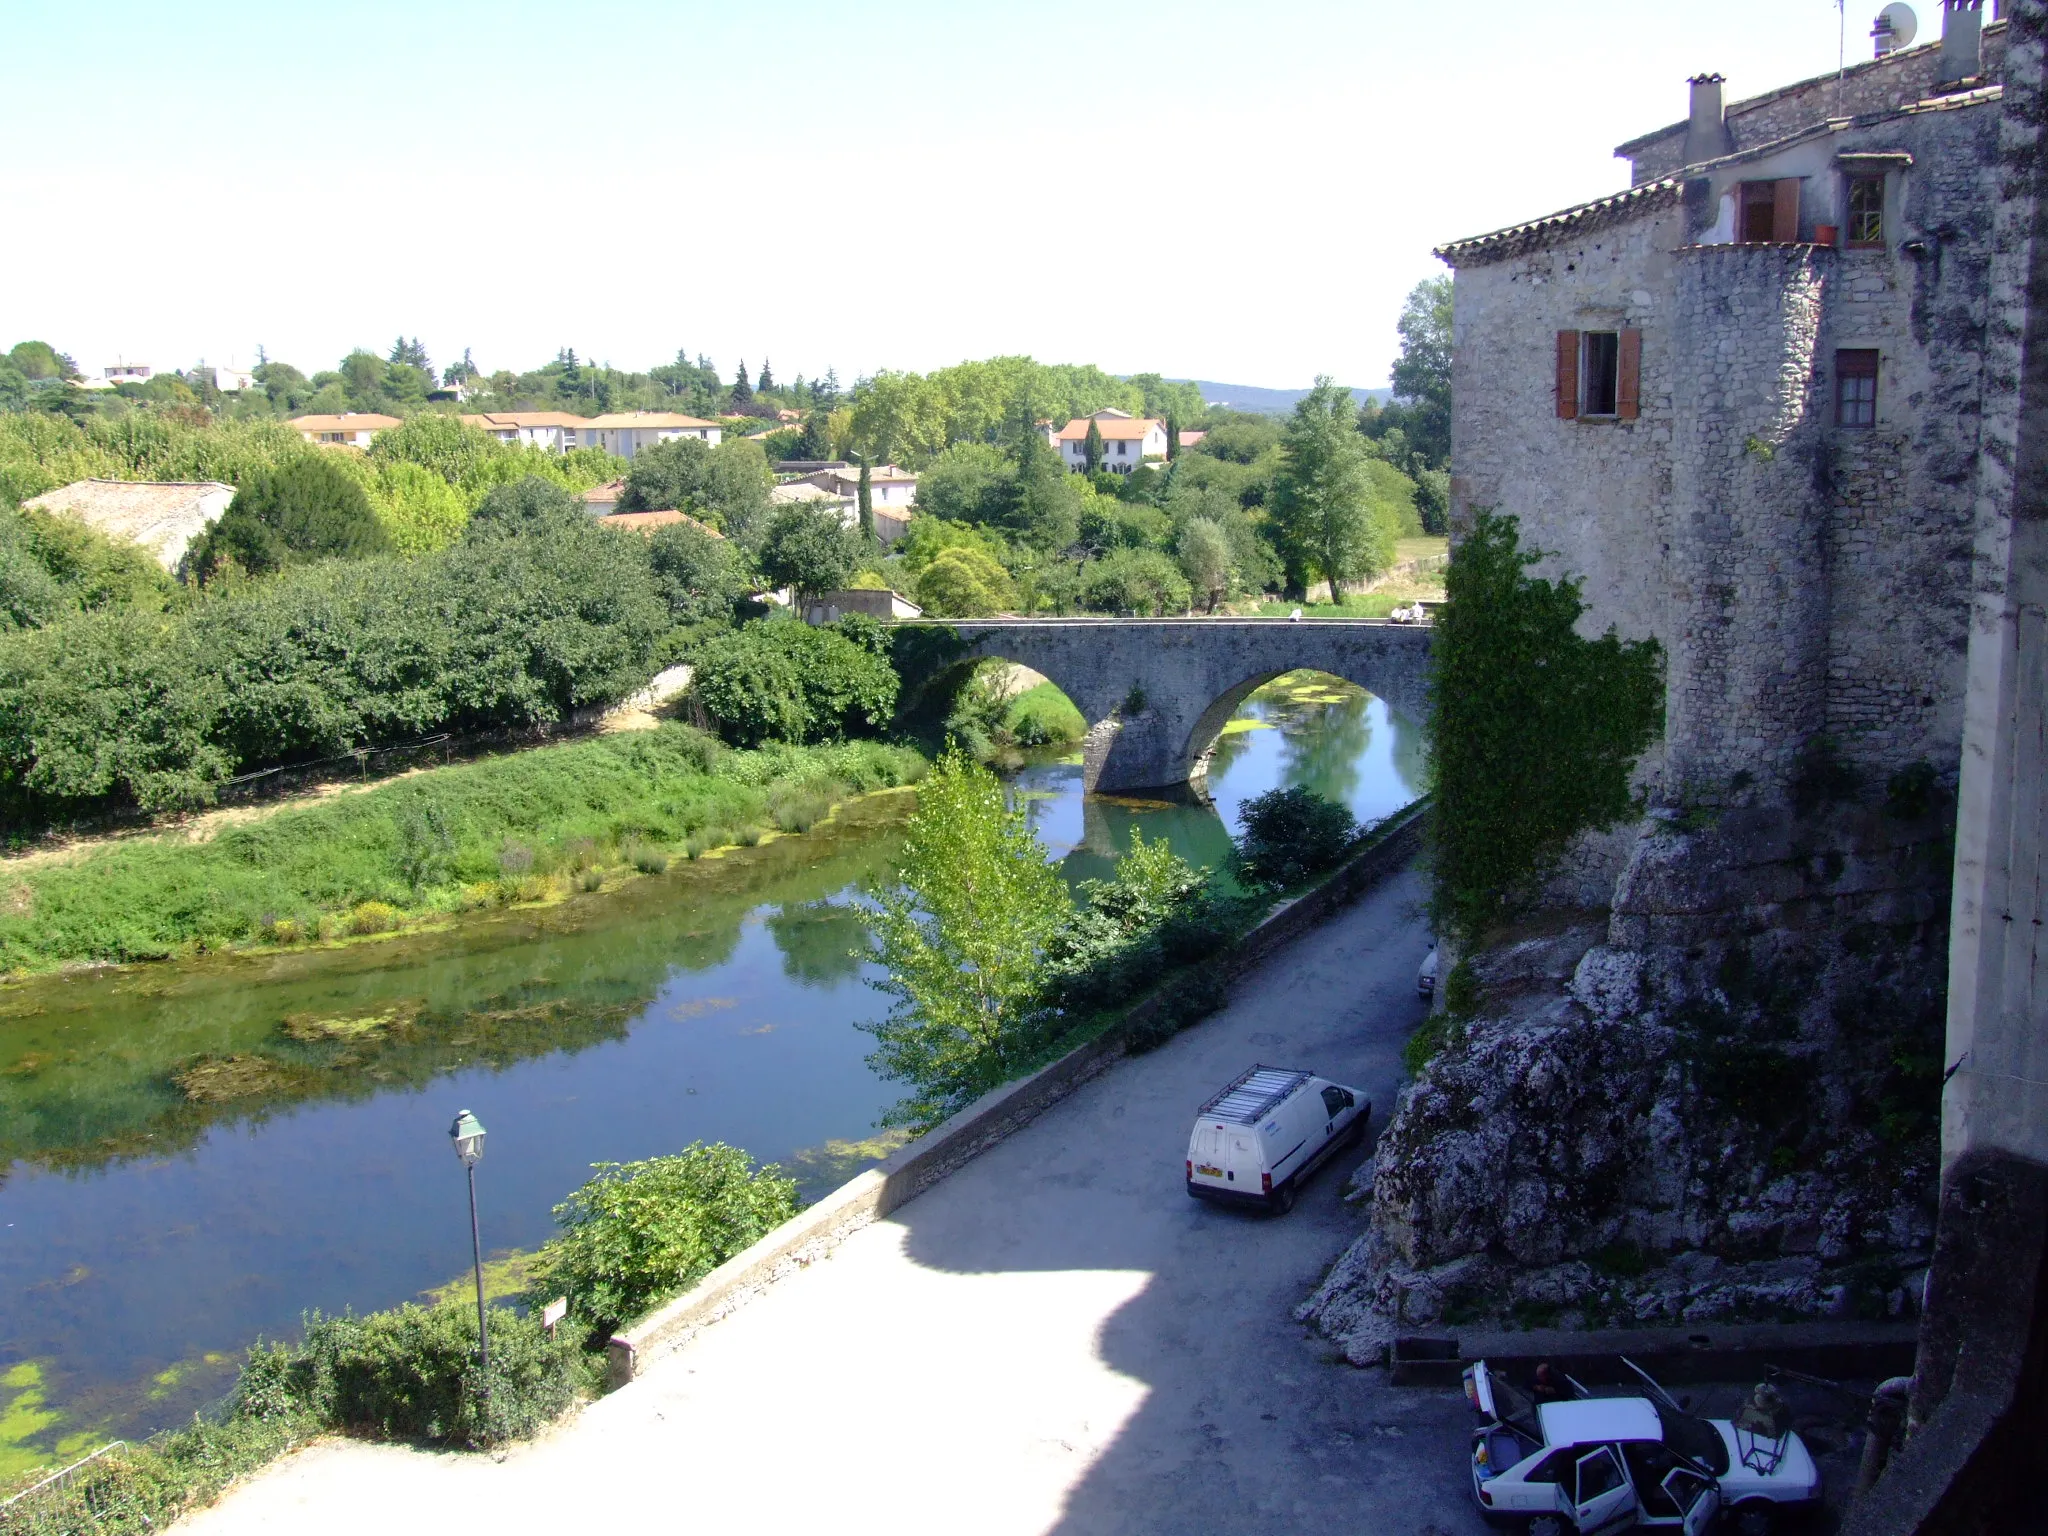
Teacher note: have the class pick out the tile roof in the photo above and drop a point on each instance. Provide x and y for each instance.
(351, 421)
(504, 420)
(647, 522)
(1501, 244)
(163, 516)
(1112, 428)
(611, 490)
(647, 419)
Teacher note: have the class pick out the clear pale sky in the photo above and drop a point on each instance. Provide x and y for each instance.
(1234, 192)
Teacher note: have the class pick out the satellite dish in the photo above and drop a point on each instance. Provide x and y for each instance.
(1896, 27)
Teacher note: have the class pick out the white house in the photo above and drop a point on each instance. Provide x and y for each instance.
(352, 429)
(164, 517)
(129, 373)
(888, 486)
(538, 429)
(1127, 441)
(625, 433)
(230, 380)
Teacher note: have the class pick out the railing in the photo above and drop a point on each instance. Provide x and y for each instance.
(59, 1478)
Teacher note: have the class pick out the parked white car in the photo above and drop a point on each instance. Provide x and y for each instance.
(1599, 1462)
(1257, 1140)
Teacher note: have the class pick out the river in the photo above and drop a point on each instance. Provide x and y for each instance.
(198, 1152)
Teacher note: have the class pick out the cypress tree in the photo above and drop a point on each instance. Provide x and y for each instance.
(742, 391)
(1091, 449)
(864, 503)
(767, 376)
(1172, 438)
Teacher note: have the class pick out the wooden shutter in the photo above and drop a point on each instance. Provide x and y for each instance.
(1628, 384)
(1567, 375)
(1785, 210)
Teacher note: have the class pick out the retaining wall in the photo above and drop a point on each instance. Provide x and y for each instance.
(911, 1170)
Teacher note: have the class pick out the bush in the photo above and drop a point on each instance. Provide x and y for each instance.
(125, 707)
(782, 680)
(637, 1233)
(308, 509)
(963, 583)
(1141, 581)
(412, 1374)
(1290, 835)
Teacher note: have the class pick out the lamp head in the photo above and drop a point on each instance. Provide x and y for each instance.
(467, 1133)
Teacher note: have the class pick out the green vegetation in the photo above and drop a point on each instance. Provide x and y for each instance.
(53, 568)
(1330, 514)
(962, 937)
(305, 510)
(519, 828)
(1042, 716)
(1508, 669)
(726, 486)
(637, 1233)
(783, 680)
(1292, 835)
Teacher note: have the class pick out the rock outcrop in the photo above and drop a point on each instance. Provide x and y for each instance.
(1717, 1100)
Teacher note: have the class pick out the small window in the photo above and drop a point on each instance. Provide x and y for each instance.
(1856, 387)
(1759, 212)
(1599, 372)
(1866, 210)
(1336, 1100)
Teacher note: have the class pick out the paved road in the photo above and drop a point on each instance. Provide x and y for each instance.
(1056, 1339)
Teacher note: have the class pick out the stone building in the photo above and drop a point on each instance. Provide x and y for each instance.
(1746, 402)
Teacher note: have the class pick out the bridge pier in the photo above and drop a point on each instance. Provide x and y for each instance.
(1156, 692)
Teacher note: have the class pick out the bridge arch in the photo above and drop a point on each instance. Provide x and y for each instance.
(1156, 692)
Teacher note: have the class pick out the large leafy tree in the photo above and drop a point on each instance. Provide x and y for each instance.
(1207, 558)
(961, 937)
(698, 574)
(309, 508)
(809, 549)
(1323, 513)
(1422, 375)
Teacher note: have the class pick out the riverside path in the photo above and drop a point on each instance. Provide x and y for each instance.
(1055, 1339)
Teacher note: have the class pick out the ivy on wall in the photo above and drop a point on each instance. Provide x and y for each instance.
(1533, 730)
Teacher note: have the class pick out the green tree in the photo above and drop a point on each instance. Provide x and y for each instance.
(1091, 447)
(308, 509)
(816, 442)
(961, 937)
(864, 503)
(742, 391)
(809, 550)
(1508, 668)
(780, 679)
(968, 483)
(963, 583)
(767, 380)
(1207, 559)
(1141, 581)
(40, 360)
(1322, 513)
(698, 574)
(668, 476)
(637, 1233)
(1422, 373)
(527, 507)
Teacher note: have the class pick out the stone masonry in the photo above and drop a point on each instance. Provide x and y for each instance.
(1702, 1077)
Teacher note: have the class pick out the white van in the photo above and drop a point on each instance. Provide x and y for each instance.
(1259, 1138)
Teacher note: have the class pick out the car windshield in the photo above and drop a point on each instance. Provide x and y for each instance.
(1694, 1438)
(1513, 1407)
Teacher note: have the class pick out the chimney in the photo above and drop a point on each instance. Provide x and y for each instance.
(1962, 31)
(1706, 134)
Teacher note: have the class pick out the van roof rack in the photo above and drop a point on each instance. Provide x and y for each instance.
(1246, 1100)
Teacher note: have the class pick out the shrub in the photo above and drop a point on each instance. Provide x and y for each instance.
(780, 680)
(373, 917)
(963, 583)
(308, 509)
(412, 1373)
(636, 1233)
(1141, 581)
(1291, 835)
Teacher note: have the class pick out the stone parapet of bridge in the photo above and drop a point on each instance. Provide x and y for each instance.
(1156, 692)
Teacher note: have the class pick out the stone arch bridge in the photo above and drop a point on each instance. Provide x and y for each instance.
(1156, 692)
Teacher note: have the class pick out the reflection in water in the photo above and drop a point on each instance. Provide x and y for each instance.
(197, 1152)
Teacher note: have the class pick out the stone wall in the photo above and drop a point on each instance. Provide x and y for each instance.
(1701, 1078)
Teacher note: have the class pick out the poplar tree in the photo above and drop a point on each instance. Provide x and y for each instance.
(1322, 513)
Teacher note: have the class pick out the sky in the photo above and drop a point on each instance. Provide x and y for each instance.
(1230, 192)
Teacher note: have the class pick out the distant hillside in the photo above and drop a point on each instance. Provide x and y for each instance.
(1270, 402)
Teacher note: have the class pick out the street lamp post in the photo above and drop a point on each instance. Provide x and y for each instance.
(467, 1133)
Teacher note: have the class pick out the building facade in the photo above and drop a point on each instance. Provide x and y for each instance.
(1127, 441)
(351, 429)
(625, 433)
(558, 430)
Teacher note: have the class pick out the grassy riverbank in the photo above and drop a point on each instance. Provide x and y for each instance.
(523, 828)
